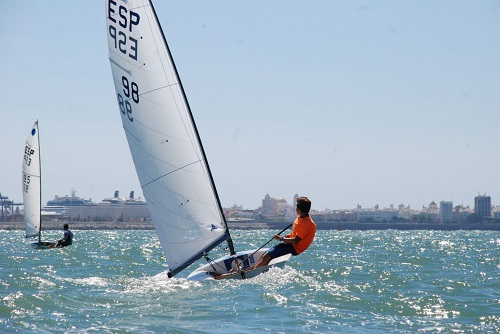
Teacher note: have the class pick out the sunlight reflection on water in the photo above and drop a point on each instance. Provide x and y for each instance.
(375, 281)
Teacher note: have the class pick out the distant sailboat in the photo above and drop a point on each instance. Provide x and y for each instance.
(32, 188)
(166, 148)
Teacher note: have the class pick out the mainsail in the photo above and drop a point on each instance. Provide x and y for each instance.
(162, 136)
(31, 184)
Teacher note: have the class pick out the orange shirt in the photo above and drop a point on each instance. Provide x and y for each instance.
(305, 229)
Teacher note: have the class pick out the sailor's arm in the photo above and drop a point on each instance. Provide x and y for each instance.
(287, 240)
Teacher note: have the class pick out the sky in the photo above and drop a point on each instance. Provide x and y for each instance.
(346, 102)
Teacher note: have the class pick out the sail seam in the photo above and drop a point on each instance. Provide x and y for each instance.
(178, 169)
(35, 175)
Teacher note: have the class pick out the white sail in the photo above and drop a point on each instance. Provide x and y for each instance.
(163, 140)
(31, 184)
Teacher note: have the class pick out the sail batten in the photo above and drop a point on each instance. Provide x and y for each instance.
(165, 145)
(169, 173)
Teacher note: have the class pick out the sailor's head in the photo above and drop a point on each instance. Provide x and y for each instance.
(65, 226)
(303, 205)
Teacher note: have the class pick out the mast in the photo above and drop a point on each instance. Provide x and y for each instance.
(40, 190)
(212, 182)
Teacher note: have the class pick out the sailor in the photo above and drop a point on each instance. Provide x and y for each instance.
(67, 238)
(296, 242)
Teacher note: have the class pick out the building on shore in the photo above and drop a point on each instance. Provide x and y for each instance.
(445, 212)
(482, 206)
(273, 208)
(496, 213)
(376, 214)
(461, 214)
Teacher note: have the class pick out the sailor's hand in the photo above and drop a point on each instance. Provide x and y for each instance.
(276, 237)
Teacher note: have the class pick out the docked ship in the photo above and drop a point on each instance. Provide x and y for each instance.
(109, 209)
(72, 200)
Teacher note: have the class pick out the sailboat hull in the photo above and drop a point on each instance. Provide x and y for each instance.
(228, 267)
(43, 245)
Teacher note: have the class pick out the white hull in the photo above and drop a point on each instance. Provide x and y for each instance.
(227, 267)
(43, 245)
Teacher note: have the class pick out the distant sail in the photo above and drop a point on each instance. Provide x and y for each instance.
(31, 184)
(163, 140)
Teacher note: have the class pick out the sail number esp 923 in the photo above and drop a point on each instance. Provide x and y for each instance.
(122, 22)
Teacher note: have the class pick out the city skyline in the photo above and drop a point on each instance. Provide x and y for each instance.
(122, 208)
(289, 201)
(343, 102)
(394, 205)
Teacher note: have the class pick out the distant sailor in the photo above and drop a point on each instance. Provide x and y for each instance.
(67, 238)
(303, 232)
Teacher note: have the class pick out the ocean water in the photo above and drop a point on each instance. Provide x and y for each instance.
(346, 282)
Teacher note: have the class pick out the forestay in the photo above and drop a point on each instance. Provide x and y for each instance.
(163, 140)
(31, 184)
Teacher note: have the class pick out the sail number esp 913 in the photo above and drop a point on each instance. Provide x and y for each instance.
(28, 152)
(122, 22)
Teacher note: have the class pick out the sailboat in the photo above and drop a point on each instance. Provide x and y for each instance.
(32, 195)
(166, 148)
